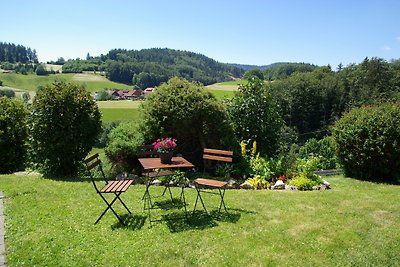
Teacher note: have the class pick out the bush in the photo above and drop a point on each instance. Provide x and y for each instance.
(65, 122)
(254, 115)
(186, 111)
(325, 149)
(7, 92)
(122, 147)
(303, 176)
(302, 182)
(103, 138)
(13, 134)
(368, 142)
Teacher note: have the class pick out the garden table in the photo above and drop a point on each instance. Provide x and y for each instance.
(155, 164)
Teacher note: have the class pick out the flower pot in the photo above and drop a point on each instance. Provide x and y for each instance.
(166, 157)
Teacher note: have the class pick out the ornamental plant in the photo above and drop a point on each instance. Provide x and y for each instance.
(165, 145)
(368, 142)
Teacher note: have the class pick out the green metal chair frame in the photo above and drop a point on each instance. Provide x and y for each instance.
(115, 187)
(200, 183)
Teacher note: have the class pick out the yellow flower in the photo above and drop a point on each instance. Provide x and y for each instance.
(243, 148)
(254, 150)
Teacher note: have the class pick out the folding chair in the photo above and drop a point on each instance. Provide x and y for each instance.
(215, 155)
(146, 151)
(116, 187)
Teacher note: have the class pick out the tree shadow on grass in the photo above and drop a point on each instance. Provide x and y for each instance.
(199, 220)
(132, 222)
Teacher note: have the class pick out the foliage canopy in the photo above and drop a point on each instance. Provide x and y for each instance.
(368, 142)
(64, 125)
(186, 111)
(13, 134)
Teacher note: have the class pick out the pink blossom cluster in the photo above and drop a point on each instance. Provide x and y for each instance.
(165, 145)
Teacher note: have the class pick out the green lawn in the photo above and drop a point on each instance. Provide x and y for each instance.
(50, 223)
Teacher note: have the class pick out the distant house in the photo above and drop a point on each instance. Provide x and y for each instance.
(118, 94)
(148, 91)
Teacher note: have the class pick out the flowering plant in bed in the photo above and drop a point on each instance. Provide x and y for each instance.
(165, 145)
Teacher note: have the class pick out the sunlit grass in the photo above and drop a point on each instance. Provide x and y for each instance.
(50, 223)
(31, 82)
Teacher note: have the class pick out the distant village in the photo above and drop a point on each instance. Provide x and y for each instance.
(123, 94)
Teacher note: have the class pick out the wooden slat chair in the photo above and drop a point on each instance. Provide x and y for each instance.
(214, 155)
(146, 151)
(116, 187)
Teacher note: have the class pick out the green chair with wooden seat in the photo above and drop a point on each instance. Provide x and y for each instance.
(111, 187)
(215, 155)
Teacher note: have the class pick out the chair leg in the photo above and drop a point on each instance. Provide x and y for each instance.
(117, 195)
(222, 194)
(109, 206)
(201, 200)
(184, 200)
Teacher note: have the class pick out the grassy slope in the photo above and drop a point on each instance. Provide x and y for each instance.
(31, 82)
(50, 223)
(111, 110)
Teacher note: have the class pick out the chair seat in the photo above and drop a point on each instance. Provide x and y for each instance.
(116, 186)
(210, 182)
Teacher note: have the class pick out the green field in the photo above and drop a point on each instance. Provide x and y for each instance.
(51, 223)
(121, 110)
(31, 82)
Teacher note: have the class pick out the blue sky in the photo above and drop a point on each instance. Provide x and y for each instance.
(248, 32)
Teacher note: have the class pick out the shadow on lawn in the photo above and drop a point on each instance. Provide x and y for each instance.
(199, 220)
(132, 222)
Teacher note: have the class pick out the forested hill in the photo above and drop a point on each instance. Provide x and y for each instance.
(257, 67)
(150, 67)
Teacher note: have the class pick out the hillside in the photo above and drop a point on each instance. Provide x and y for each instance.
(32, 82)
(150, 67)
(257, 67)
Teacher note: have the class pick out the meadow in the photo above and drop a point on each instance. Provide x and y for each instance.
(31, 82)
(51, 223)
(111, 110)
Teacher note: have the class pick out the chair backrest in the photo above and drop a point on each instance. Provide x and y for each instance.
(217, 155)
(146, 151)
(91, 163)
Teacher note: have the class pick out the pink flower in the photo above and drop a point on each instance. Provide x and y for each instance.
(165, 145)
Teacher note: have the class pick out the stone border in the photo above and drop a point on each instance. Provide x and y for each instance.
(2, 233)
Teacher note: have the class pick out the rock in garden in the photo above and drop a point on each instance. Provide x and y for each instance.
(327, 184)
(246, 185)
(156, 182)
(278, 185)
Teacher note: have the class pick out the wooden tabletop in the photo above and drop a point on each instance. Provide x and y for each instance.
(155, 163)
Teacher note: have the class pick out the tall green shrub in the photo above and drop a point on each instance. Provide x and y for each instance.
(186, 111)
(254, 115)
(65, 122)
(368, 141)
(13, 134)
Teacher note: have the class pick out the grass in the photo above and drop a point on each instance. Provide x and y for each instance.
(50, 223)
(122, 110)
(119, 114)
(31, 81)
